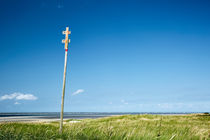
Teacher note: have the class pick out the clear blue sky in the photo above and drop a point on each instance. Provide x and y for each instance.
(126, 56)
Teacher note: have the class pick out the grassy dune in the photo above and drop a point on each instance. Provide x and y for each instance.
(126, 127)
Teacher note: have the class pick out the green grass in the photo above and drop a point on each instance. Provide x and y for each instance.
(126, 127)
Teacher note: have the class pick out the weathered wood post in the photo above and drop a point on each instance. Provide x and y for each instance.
(66, 41)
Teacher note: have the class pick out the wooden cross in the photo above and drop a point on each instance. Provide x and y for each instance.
(66, 40)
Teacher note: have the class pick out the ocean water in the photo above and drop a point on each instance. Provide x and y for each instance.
(82, 115)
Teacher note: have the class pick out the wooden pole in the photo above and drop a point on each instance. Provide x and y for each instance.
(66, 41)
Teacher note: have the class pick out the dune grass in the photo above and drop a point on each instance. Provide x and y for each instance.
(126, 127)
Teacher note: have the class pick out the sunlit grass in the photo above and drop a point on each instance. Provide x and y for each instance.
(131, 127)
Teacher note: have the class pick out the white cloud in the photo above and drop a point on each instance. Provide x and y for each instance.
(16, 103)
(78, 91)
(18, 96)
(8, 97)
(26, 97)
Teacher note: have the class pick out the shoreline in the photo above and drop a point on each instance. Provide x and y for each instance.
(42, 118)
(57, 118)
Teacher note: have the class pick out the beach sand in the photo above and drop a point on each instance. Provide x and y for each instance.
(27, 119)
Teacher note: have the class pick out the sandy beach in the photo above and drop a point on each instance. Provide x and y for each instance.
(27, 119)
(45, 118)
